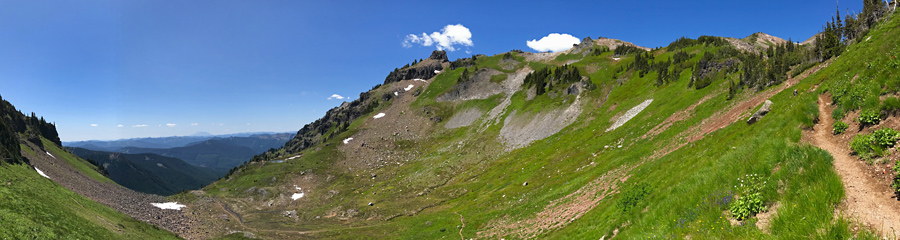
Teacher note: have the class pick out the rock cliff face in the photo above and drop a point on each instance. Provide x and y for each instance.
(424, 70)
(339, 117)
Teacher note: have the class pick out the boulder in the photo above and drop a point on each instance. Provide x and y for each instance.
(766, 107)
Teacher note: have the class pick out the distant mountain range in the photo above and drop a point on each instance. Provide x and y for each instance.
(161, 142)
(149, 173)
(217, 153)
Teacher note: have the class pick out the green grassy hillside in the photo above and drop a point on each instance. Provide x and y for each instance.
(35, 207)
(686, 166)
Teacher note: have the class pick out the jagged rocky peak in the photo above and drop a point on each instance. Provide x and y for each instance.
(425, 69)
(440, 55)
(586, 44)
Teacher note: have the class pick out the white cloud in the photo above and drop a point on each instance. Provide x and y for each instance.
(194, 124)
(94, 125)
(170, 124)
(142, 125)
(335, 96)
(554, 42)
(449, 36)
(120, 125)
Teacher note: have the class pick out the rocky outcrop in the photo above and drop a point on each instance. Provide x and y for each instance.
(766, 107)
(581, 86)
(339, 117)
(478, 87)
(705, 68)
(439, 55)
(426, 69)
(584, 47)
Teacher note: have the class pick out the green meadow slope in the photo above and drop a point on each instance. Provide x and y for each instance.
(477, 152)
(36, 207)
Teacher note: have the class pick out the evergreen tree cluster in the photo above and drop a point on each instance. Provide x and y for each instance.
(13, 123)
(599, 50)
(546, 79)
(464, 76)
(837, 33)
(641, 63)
(684, 42)
(462, 63)
(623, 50)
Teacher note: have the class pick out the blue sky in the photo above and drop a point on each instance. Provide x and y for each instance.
(165, 68)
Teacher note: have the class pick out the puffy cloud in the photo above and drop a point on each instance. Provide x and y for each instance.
(141, 125)
(94, 125)
(120, 125)
(449, 36)
(554, 42)
(170, 124)
(335, 96)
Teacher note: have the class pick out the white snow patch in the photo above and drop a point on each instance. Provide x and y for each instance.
(867, 39)
(437, 71)
(168, 205)
(396, 94)
(379, 115)
(347, 140)
(629, 115)
(41, 173)
(297, 195)
(419, 79)
(408, 87)
(51, 155)
(294, 157)
(617, 59)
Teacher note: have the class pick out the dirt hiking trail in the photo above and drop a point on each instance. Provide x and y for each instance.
(866, 201)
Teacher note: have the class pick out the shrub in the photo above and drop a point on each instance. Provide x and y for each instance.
(750, 201)
(890, 106)
(864, 145)
(896, 184)
(839, 127)
(838, 113)
(633, 196)
(886, 137)
(869, 117)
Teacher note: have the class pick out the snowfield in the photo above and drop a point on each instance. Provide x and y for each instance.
(51, 155)
(629, 115)
(41, 173)
(168, 205)
(419, 79)
(379, 115)
(347, 140)
(408, 87)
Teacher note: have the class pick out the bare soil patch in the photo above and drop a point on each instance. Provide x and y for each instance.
(559, 212)
(739, 111)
